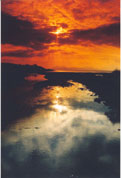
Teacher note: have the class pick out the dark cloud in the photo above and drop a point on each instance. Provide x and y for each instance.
(115, 19)
(103, 1)
(26, 53)
(109, 35)
(22, 32)
(19, 53)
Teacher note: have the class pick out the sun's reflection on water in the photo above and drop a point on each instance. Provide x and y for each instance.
(59, 108)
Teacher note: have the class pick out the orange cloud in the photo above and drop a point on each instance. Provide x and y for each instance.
(63, 35)
(75, 13)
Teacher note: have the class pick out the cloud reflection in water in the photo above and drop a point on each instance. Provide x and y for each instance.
(66, 136)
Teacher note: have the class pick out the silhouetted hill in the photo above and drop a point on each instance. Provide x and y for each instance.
(13, 74)
(24, 68)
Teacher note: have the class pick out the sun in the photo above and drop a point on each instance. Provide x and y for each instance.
(59, 31)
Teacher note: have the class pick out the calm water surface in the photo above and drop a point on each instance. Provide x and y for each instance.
(69, 135)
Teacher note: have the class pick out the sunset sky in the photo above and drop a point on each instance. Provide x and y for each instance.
(64, 35)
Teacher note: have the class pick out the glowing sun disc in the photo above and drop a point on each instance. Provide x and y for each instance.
(59, 31)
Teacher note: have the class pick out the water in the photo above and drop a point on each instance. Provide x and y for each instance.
(67, 133)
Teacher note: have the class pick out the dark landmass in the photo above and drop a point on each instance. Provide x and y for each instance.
(24, 68)
(18, 93)
(15, 73)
